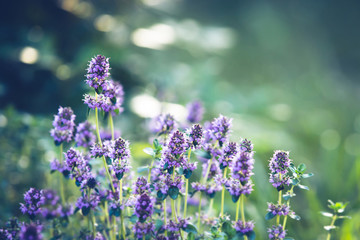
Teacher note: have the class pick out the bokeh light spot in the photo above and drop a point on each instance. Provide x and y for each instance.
(29, 55)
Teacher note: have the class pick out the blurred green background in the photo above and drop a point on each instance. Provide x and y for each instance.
(287, 72)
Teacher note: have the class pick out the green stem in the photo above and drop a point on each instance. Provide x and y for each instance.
(150, 168)
(93, 223)
(123, 230)
(203, 181)
(107, 219)
(223, 196)
(111, 123)
(165, 222)
(186, 187)
(288, 204)
(242, 200)
(62, 189)
(199, 212)
(237, 210)
(332, 224)
(100, 142)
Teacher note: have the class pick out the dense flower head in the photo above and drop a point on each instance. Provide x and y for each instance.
(114, 91)
(278, 180)
(115, 208)
(104, 103)
(50, 197)
(165, 181)
(220, 129)
(195, 136)
(5, 235)
(246, 146)
(235, 187)
(85, 136)
(117, 149)
(276, 232)
(244, 227)
(33, 199)
(242, 166)
(177, 144)
(86, 203)
(143, 228)
(97, 71)
(97, 150)
(144, 207)
(209, 188)
(74, 159)
(141, 185)
(227, 154)
(214, 169)
(174, 227)
(30, 232)
(278, 209)
(13, 227)
(63, 125)
(195, 112)
(279, 162)
(163, 124)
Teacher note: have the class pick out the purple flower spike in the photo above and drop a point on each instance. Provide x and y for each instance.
(85, 136)
(144, 207)
(163, 124)
(280, 162)
(244, 228)
(228, 152)
(195, 112)
(98, 71)
(220, 129)
(141, 185)
(142, 229)
(34, 199)
(276, 233)
(195, 137)
(242, 166)
(31, 231)
(277, 209)
(63, 125)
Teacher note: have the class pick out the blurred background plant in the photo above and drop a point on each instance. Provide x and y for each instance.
(287, 72)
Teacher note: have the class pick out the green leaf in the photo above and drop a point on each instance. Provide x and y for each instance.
(269, 216)
(228, 229)
(327, 214)
(173, 192)
(303, 187)
(289, 238)
(287, 196)
(149, 151)
(307, 175)
(344, 217)
(250, 235)
(160, 195)
(301, 168)
(295, 181)
(88, 111)
(158, 224)
(294, 216)
(142, 169)
(203, 154)
(190, 229)
(117, 111)
(133, 218)
(191, 236)
(329, 228)
(234, 198)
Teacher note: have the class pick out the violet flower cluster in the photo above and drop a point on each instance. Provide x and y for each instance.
(64, 124)
(109, 95)
(137, 208)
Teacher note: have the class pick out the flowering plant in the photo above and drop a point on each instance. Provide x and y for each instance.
(112, 203)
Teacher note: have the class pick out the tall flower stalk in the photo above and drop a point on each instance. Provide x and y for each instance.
(284, 176)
